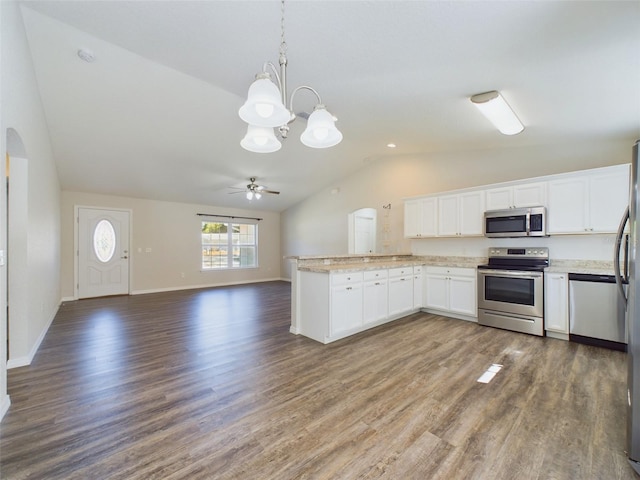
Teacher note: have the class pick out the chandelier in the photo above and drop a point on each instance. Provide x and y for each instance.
(265, 109)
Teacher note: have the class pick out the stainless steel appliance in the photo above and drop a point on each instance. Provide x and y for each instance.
(596, 311)
(516, 222)
(511, 289)
(633, 312)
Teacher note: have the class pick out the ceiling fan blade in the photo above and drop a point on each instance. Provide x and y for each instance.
(270, 191)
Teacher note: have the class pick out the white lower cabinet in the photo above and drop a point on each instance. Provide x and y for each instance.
(556, 302)
(451, 290)
(400, 290)
(376, 296)
(336, 305)
(346, 308)
(417, 287)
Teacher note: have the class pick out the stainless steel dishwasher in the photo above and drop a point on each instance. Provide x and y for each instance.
(596, 311)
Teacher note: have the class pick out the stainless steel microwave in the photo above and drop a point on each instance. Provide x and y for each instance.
(516, 222)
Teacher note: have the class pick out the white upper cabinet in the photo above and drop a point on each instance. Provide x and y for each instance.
(591, 202)
(420, 217)
(460, 214)
(526, 195)
(588, 201)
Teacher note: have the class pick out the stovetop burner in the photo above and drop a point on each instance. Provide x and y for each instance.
(526, 259)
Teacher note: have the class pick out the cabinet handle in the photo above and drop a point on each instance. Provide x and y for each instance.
(349, 288)
(377, 283)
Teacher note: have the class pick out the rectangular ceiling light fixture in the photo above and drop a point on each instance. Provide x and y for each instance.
(497, 110)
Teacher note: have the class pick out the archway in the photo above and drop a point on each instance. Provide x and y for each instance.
(17, 189)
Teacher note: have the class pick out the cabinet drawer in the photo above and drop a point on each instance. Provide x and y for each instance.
(400, 271)
(375, 275)
(346, 278)
(455, 271)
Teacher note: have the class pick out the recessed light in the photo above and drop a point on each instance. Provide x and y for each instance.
(391, 145)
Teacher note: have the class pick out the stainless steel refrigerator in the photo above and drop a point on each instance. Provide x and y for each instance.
(631, 269)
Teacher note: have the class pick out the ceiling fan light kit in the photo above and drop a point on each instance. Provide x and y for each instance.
(496, 109)
(253, 190)
(266, 107)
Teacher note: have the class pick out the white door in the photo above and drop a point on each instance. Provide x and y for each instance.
(103, 252)
(365, 234)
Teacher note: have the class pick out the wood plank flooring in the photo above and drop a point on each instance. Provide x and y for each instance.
(210, 384)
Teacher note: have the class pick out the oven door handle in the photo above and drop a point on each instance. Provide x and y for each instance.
(511, 273)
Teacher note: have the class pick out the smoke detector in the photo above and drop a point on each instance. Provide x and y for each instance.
(86, 55)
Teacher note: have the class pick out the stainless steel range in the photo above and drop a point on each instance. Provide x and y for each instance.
(511, 289)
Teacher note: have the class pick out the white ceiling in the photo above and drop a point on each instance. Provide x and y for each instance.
(155, 115)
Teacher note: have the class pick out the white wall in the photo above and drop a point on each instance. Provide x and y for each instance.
(22, 112)
(318, 225)
(172, 232)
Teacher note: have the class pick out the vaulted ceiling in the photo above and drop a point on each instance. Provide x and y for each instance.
(156, 114)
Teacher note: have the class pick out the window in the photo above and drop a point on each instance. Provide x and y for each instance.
(229, 245)
(104, 241)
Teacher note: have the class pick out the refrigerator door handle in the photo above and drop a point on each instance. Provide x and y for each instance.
(616, 256)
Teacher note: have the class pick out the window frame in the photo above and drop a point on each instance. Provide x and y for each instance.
(233, 230)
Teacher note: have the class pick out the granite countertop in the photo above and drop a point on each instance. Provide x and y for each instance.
(359, 267)
(596, 267)
(410, 261)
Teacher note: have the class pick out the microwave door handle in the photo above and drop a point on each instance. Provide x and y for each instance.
(528, 223)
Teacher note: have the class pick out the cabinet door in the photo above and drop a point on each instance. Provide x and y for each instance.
(346, 308)
(417, 290)
(471, 210)
(376, 301)
(608, 198)
(556, 302)
(400, 295)
(436, 291)
(498, 198)
(448, 216)
(429, 217)
(568, 199)
(412, 218)
(530, 195)
(462, 295)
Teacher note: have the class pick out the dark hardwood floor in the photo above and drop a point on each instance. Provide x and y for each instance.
(210, 384)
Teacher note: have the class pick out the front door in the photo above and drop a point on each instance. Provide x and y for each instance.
(103, 252)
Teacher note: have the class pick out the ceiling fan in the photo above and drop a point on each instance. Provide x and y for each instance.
(253, 190)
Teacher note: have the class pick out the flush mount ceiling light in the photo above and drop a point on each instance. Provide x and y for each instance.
(266, 109)
(497, 110)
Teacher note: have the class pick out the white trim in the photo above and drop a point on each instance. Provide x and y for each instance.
(27, 359)
(67, 299)
(76, 216)
(208, 285)
(4, 406)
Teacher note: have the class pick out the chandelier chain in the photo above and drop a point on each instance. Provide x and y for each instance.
(283, 44)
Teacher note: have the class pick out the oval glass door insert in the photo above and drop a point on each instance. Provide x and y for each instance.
(104, 240)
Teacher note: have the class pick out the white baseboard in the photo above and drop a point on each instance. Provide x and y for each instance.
(67, 299)
(27, 359)
(4, 406)
(207, 285)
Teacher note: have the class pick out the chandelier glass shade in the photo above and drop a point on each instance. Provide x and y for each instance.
(321, 131)
(265, 109)
(260, 140)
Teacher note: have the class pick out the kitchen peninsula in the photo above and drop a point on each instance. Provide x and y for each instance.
(334, 296)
